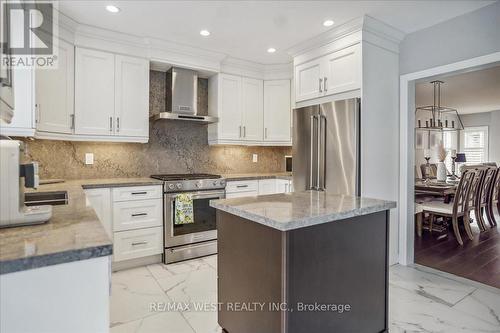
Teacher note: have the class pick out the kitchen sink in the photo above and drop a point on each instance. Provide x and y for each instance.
(46, 198)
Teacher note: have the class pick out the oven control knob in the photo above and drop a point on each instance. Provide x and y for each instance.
(179, 186)
(223, 182)
(198, 184)
(216, 183)
(171, 186)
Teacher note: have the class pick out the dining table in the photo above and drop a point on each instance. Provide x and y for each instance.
(434, 188)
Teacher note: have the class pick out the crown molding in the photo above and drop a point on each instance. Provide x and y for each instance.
(369, 28)
(255, 70)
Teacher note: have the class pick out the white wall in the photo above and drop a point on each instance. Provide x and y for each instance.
(464, 37)
(492, 120)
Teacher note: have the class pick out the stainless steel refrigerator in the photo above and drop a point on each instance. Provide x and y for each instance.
(326, 147)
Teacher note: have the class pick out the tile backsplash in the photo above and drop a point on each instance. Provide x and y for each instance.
(174, 147)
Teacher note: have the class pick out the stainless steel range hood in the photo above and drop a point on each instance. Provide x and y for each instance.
(182, 97)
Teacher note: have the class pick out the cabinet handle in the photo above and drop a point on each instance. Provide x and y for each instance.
(139, 243)
(72, 121)
(265, 133)
(118, 124)
(240, 130)
(139, 214)
(241, 186)
(320, 85)
(138, 193)
(244, 131)
(37, 113)
(325, 87)
(111, 124)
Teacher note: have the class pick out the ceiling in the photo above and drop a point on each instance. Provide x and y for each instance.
(471, 92)
(246, 29)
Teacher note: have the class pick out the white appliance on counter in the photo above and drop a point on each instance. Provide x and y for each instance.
(13, 212)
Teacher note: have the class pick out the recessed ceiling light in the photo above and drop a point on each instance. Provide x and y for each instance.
(205, 33)
(328, 23)
(112, 9)
(271, 50)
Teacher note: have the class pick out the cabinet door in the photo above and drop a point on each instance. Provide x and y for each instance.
(230, 115)
(307, 80)
(100, 200)
(267, 186)
(131, 96)
(94, 92)
(277, 112)
(282, 186)
(342, 70)
(23, 121)
(54, 90)
(253, 109)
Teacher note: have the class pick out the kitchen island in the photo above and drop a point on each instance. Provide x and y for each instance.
(303, 262)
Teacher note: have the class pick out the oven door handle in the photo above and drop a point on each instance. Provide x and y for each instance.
(220, 194)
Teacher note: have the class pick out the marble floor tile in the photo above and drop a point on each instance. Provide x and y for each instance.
(419, 301)
(410, 312)
(483, 304)
(168, 322)
(132, 292)
(440, 289)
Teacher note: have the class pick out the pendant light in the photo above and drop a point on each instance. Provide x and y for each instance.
(437, 117)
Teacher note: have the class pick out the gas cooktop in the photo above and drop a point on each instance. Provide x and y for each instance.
(187, 176)
(191, 182)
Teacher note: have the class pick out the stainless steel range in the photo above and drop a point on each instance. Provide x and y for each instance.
(197, 239)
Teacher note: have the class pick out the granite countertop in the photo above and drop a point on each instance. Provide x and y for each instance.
(252, 176)
(73, 233)
(296, 210)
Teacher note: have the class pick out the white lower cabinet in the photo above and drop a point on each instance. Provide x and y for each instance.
(248, 188)
(267, 186)
(132, 244)
(100, 200)
(132, 217)
(128, 215)
(284, 186)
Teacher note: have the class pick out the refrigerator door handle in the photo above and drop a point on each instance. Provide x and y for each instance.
(311, 161)
(321, 149)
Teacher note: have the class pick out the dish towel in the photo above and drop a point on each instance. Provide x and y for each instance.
(183, 209)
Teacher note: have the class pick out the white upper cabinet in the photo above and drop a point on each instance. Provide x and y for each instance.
(343, 70)
(245, 107)
(111, 96)
(94, 92)
(131, 96)
(277, 112)
(334, 73)
(54, 93)
(23, 121)
(308, 80)
(253, 109)
(230, 111)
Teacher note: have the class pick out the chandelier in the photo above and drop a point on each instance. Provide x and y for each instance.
(437, 117)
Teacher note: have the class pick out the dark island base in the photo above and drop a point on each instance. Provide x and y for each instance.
(341, 263)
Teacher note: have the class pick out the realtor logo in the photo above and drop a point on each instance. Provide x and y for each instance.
(28, 34)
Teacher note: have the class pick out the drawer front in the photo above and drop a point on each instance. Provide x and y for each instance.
(241, 194)
(137, 193)
(242, 186)
(137, 243)
(128, 215)
(267, 186)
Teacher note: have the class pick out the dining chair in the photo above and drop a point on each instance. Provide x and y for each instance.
(459, 208)
(483, 196)
(433, 170)
(494, 201)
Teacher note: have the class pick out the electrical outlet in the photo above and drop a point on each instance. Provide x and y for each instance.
(255, 158)
(89, 158)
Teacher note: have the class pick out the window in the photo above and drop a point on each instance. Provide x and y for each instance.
(450, 141)
(474, 143)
